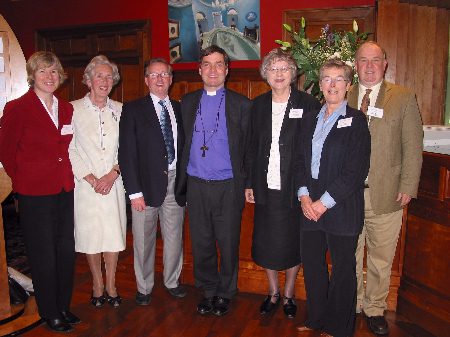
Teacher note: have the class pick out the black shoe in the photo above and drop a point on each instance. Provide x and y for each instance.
(378, 325)
(114, 301)
(289, 307)
(268, 306)
(142, 299)
(58, 325)
(206, 305)
(98, 301)
(221, 306)
(70, 318)
(178, 292)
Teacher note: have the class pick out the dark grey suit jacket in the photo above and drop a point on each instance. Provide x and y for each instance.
(237, 112)
(142, 151)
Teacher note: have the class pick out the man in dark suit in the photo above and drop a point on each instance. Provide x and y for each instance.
(395, 163)
(150, 142)
(215, 121)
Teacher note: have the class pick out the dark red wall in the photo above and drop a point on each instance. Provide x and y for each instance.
(26, 16)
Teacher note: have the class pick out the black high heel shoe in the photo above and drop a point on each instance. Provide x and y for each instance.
(268, 306)
(114, 301)
(289, 307)
(98, 301)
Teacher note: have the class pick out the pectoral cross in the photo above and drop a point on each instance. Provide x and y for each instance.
(204, 148)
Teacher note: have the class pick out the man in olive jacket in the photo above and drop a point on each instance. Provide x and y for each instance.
(396, 131)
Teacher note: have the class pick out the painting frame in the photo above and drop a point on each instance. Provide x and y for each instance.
(174, 29)
(175, 53)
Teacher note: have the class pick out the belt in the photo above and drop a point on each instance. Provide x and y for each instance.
(210, 181)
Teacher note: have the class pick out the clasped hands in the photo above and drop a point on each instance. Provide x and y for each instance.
(102, 185)
(312, 210)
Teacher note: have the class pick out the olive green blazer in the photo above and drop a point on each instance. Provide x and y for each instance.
(396, 146)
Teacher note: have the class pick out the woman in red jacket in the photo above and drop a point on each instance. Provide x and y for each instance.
(34, 137)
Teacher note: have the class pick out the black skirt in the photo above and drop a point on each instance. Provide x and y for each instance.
(276, 234)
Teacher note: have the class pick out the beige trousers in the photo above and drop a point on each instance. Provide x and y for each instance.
(379, 235)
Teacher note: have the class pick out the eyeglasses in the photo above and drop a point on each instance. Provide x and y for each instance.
(155, 75)
(282, 70)
(336, 80)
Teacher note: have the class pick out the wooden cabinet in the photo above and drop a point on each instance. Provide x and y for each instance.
(424, 290)
(125, 43)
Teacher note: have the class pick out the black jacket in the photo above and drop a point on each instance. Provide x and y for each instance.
(142, 151)
(289, 145)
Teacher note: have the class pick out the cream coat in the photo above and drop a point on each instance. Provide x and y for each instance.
(100, 220)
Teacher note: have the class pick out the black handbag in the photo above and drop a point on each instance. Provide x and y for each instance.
(17, 294)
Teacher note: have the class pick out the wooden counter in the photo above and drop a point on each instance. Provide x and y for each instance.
(425, 290)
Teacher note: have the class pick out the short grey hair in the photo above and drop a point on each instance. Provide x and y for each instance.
(157, 60)
(276, 55)
(100, 59)
(337, 64)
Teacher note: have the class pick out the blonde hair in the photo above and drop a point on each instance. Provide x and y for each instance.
(43, 59)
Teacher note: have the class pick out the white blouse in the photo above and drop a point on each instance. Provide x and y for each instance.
(273, 171)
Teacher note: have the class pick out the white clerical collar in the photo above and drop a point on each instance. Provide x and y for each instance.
(214, 92)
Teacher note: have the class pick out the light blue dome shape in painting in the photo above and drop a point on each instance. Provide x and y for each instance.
(251, 16)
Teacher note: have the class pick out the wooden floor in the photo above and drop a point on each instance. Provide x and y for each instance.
(169, 317)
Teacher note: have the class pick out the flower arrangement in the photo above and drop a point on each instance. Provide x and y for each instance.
(331, 44)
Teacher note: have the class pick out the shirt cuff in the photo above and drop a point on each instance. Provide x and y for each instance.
(136, 195)
(327, 200)
(302, 191)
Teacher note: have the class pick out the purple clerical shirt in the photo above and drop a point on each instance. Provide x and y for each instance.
(210, 129)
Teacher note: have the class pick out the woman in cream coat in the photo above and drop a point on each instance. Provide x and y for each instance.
(100, 217)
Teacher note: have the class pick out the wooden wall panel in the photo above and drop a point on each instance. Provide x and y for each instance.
(416, 42)
(247, 82)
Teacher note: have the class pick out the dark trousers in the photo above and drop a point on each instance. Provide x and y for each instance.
(331, 301)
(47, 223)
(214, 218)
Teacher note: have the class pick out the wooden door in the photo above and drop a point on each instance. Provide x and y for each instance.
(125, 43)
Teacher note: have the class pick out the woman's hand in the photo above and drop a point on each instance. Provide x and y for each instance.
(308, 210)
(91, 179)
(249, 196)
(105, 183)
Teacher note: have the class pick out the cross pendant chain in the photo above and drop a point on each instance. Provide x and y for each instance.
(204, 148)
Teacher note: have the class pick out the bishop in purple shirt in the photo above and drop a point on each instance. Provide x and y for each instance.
(211, 173)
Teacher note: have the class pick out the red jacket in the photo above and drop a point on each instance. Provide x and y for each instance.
(33, 152)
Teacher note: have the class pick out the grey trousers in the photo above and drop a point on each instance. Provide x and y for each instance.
(171, 217)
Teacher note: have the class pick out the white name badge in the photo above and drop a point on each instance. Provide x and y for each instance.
(374, 112)
(67, 130)
(296, 113)
(343, 123)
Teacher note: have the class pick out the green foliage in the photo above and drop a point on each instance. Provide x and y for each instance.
(311, 56)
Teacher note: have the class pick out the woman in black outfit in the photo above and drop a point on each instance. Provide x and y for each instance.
(276, 123)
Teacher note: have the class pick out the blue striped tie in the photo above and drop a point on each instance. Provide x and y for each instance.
(166, 127)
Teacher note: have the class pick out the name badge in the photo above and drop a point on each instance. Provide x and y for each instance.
(343, 123)
(296, 113)
(67, 130)
(374, 112)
